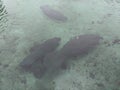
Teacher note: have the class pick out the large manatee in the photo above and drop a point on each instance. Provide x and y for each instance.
(39, 53)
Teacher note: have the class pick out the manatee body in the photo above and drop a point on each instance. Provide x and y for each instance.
(46, 61)
(39, 53)
(80, 45)
(53, 14)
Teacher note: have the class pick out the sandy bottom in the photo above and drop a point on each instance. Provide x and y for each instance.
(27, 25)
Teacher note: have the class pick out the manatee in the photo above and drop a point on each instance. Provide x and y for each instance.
(80, 45)
(39, 53)
(75, 47)
(53, 14)
(46, 61)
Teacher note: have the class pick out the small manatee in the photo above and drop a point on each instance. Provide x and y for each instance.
(53, 14)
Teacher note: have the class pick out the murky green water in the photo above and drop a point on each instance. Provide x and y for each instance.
(26, 24)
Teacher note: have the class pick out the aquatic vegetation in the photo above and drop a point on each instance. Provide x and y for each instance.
(2, 10)
(53, 14)
(3, 18)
